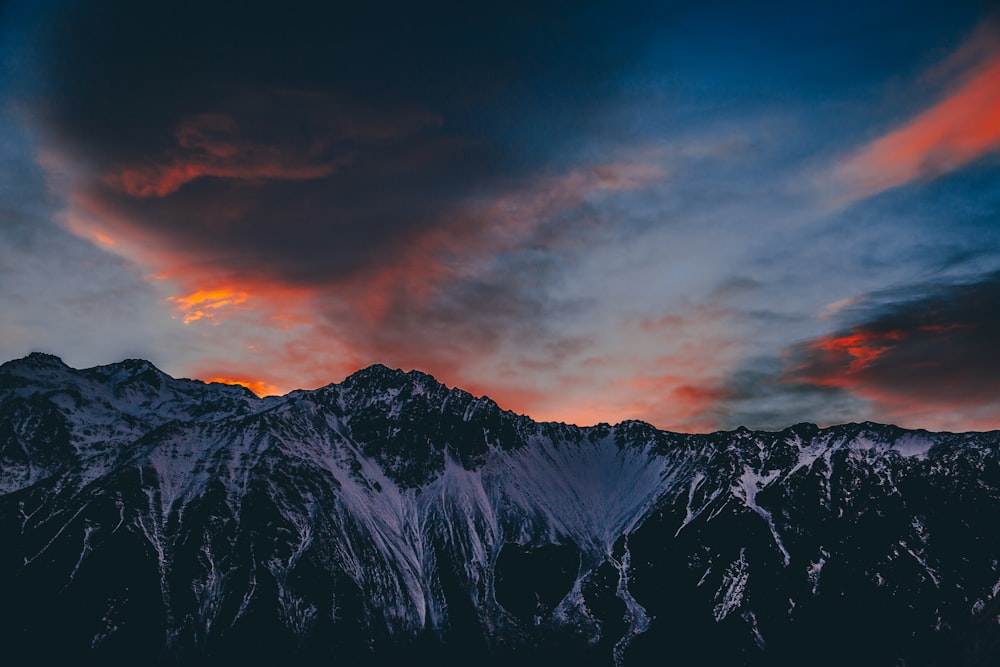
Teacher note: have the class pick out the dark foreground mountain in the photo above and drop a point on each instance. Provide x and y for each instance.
(145, 520)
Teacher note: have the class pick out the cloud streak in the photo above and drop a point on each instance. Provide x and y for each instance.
(922, 361)
(958, 129)
(218, 145)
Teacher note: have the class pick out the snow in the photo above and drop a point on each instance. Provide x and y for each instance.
(809, 454)
(581, 486)
(691, 513)
(635, 614)
(751, 620)
(590, 492)
(88, 530)
(109, 622)
(62, 529)
(934, 577)
(729, 597)
(816, 569)
(751, 482)
(914, 445)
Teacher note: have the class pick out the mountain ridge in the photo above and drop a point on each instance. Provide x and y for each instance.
(171, 520)
(379, 369)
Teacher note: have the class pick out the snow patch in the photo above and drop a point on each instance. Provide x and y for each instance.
(746, 489)
(729, 597)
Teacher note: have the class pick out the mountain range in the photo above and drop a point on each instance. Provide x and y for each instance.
(151, 520)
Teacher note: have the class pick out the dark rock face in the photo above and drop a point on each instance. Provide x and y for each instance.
(531, 581)
(150, 520)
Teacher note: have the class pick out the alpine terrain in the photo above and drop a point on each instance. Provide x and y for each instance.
(152, 520)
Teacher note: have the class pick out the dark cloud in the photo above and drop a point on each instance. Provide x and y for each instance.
(348, 191)
(758, 396)
(924, 356)
(305, 142)
(938, 348)
(121, 77)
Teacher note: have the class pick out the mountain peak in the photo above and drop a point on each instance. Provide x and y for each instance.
(137, 365)
(36, 363)
(128, 371)
(375, 371)
(381, 376)
(40, 360)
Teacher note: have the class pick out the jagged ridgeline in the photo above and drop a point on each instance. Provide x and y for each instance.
(150, 520)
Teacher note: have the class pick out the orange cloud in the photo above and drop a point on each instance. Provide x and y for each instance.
(856, 351)
(847, 360)
(960, 128)
(258, 387)
(202, 304)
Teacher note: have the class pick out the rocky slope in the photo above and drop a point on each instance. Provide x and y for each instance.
(149, 519)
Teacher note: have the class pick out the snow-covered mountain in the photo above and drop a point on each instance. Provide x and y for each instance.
(148, 519)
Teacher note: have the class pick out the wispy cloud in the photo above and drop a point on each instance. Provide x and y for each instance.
(962, 126)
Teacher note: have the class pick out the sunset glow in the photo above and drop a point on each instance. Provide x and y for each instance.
(702, 217)
(204, 303)
(256, 386)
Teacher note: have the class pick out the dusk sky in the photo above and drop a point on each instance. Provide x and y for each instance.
(698, 214)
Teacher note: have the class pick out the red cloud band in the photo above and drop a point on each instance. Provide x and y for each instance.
(962, 127)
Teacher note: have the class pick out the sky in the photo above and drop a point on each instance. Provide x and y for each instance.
(703, 215)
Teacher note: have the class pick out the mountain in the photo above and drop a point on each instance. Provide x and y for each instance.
(152, 520)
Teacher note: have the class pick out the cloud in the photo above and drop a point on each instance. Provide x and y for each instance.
(202, 304)
(928, 361)
(961, 127)
(760, 396)
(256, 386)
(351, 151)
(214, 248)
(463, 296)
(668, 370)
(257, 148)
(318, 219)
(470, 190)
